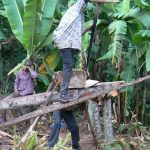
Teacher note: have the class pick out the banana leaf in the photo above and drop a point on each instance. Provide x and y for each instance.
(30, 24)
(14, 17)
(50, 63)
(148, 59)
(47, 17)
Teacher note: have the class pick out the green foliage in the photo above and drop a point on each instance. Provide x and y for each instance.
(2, 36)
(14, 18)
(148, 58)
(32, 141)
(31, 23)
(118, 28)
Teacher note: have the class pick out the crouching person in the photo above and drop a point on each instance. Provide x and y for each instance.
(23, 86)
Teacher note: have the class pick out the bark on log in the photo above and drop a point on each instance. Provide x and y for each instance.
(98, 91)
(94, 121)
(108, 127)
(30, 100)
(41, 98)
(37, 99)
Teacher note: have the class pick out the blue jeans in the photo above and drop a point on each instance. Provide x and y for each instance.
(68, 63)
(71, 124)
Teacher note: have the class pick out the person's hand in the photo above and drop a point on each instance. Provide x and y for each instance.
(27, 68)
(16, 92)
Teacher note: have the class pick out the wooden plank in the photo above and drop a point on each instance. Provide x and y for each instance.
(90, 83)
(105, 1)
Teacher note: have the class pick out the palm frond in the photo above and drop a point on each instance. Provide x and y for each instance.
(117, 29)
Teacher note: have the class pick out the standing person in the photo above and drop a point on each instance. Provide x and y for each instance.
(24, 85)
(68, 37)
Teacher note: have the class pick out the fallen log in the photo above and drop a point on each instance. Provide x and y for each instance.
(38, 99)
(98, 91)
(13, 103)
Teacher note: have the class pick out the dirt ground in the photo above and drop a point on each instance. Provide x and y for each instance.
(86, 139)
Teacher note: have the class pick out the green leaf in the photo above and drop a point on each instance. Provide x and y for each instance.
(37, 23)
(145, 33)
(50, 63)
(108, 55)
(2, 36)
(44, 79)
(21, 7)
(14, 17)
(47, 16)
(141, 3)
(123, 6)
(118, 27)
(132, 12)
(126, 6)
(3, 13)
(85, 41)
(143, 17)
(32, 141)
(30, 24)
(148, 59)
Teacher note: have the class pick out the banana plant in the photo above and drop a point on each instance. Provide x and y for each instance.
(129, 24)
(31, 22)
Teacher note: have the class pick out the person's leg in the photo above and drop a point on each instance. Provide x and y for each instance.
(68, 63)
(53, 138)
(67, 58)
(73, 127)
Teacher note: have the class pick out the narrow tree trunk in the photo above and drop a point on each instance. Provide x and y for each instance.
(93, 111)
(108, 129)
(144, 100)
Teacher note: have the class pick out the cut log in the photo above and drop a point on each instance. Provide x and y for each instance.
(98, 91)
(41, 98)
(30, 100)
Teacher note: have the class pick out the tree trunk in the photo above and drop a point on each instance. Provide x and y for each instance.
(108, 128)
(37, 99)
(93, 111)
